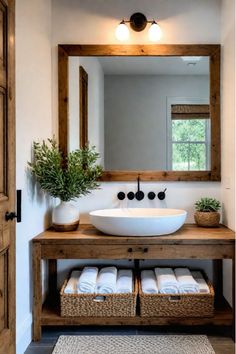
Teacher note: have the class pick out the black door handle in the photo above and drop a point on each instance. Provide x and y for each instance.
(10, 216)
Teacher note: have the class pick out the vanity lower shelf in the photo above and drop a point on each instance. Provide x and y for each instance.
(51, 317)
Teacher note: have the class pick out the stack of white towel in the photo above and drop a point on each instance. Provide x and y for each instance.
(108, 280)
(169, 281)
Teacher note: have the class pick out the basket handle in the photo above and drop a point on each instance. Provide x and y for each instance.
(174, 298)
(99, 298)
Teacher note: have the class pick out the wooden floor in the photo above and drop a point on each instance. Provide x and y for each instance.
(219, 337)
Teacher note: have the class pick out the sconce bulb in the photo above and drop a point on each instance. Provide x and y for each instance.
(122, 32)
(154, 32)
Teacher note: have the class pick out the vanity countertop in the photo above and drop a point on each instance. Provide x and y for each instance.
(188, 234)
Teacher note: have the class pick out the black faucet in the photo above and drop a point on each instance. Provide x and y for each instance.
(139, 195)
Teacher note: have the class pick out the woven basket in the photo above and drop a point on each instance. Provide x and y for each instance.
(102, 305)
(178, 305)
(207, 219)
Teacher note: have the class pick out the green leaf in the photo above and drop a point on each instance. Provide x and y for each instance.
(207, 205)
(65, 180)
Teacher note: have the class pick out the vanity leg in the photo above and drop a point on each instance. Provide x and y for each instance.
(37, 291)
(52, 279)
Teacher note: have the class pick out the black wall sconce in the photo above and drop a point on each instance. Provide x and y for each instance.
(138, 22)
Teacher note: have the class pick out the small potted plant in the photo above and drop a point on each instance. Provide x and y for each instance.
(207, 214)
(66, 179)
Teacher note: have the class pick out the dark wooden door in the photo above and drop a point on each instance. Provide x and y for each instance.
(7, 177)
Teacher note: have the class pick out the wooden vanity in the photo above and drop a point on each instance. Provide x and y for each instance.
(190, 242)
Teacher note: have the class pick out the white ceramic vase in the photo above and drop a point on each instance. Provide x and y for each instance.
(65, 217)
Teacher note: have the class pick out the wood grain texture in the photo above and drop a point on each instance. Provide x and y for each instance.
(211, 50)
(7, 173)
(190, 242)
(63, 89)
(222, 345)
(179, 251)
(189, 234)
(37, 291)
(140, 50)
(215, 114)
(51, 317)
(83, 106)
(116, 176)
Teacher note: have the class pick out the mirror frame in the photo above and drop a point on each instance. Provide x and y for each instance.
(211, 50)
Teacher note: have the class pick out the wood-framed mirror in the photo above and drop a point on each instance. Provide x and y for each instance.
(158, 108)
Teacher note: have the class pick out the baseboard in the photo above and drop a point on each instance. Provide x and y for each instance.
(24, 334)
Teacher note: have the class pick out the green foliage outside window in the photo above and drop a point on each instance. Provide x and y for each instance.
(189, 144)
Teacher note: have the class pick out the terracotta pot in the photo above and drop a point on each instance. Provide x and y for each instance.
(65, 217)
(207, 219)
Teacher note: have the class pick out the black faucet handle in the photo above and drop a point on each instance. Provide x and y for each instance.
(162, 195)
(151, 195)
(139, 195)
(130, 195)
(121, 195)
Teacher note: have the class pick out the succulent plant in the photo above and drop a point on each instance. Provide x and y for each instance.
(207, 205)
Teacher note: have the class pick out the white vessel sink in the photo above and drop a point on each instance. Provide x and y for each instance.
(138, 221)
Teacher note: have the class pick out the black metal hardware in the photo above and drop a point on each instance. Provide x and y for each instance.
(138, 22)
(139, 195)
(151, 195)
(162, 195)
(121, 195)
(145, 250)
(130, 250)
(99, 298)
(10, 216)
(130, 195)
(18, 204)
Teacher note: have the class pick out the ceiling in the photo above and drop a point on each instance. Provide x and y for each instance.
(155, 65)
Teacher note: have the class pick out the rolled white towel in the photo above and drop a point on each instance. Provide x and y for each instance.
(71, 286)
(187, 284)
(149, 282)
(106, 281)
(166, 281)
(203, 287)
(87, 280)
(124, 282)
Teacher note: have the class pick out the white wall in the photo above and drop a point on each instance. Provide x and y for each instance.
(94, 22)
(136, 122)
(228, 124)
(185, 21)
(33, 121)
(95, 102)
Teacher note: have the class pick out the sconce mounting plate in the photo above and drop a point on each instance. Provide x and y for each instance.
(138, 22)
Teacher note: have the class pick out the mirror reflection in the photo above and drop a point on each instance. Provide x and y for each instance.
(142, 113)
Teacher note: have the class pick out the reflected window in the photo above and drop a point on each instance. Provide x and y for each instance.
(190, 137)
